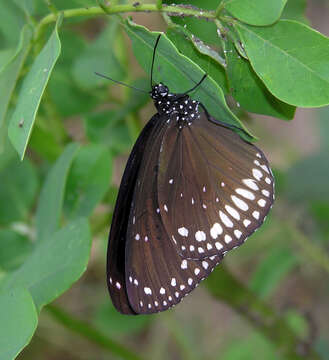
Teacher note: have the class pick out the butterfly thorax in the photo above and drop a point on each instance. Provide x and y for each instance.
(179, 107)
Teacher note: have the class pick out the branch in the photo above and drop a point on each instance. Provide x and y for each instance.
(89, 332)
(173, 10)
(225, 287)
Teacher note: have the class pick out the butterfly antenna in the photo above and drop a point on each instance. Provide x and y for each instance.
(198, 84)
(153, 57)
(121, 83)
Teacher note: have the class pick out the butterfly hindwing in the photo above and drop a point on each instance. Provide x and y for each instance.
(214, 188)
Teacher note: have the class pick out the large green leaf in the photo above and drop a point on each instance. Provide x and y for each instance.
(99, 56)
(14, 248)
(291, 59)
(256, 12)
(54, 265)
(18, 189)
(52, 194)
(178, 72)
(9, 74)
(88, 180)
(19, 320)
(249, 91)
(30, 95)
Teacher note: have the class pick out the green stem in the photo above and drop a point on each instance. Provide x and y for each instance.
(89, 332)
(225, 287)
(116, 9)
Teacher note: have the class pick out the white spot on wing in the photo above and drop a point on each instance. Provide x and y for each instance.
(183, 231)
(147, 291)
(237, 234)
(261, 202)
(227, 222)
(257, 174)
(255, 214)
(251, 184)
(184, 264)
(246, 222)
(245, 193)
(232, 212)
(239, 203)
(216, 230)
(227, 239)
(200, 236)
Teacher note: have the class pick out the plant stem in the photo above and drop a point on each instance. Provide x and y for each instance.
(89, 332)
(116, 9)
(225, 287)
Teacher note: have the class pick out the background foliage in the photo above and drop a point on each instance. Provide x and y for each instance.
(64, 138)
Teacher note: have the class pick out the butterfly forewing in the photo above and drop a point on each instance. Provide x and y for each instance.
(157, 277)
(214, 189)
(117, 238)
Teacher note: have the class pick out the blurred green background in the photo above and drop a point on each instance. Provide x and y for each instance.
(286, 263)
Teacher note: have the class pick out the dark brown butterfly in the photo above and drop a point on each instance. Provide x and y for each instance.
(192, 190)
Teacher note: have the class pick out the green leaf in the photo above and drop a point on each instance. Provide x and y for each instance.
(178, 72)
(18, 189)
(256, 12)
(271, 271)
(14, 248)
(55, 264)
(9, 74)
(110, 322)
(98, 56)
(88, 180)
(19, 320)
(291, 59)
(193, 48)
(295, 10)
(52, 194)
(249, 91)
(30, 95)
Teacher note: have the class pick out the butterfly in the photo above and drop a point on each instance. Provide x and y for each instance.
(192, 190)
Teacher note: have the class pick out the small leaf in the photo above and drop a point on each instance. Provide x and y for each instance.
(271, 271)
(18, 189)
(179, 73)
(30, 95)
(52, 194)
(98, 56)
(54, 265)
(9, 73)
(14, 248)
(249, 91)
(88, 180)
(256, 12)
(291, 59)
(19, 320)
